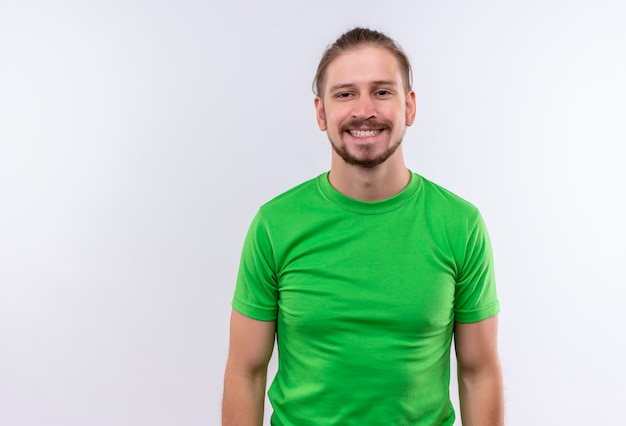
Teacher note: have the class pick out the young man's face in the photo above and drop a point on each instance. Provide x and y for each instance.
(364, 107)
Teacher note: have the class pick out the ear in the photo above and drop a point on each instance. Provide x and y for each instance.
(410, 108)
(320, 114)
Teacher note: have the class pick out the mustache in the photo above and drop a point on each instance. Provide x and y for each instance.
(369, 123)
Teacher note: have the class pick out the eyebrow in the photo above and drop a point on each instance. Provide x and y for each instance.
(374, 83)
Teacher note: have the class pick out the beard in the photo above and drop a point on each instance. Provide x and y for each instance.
(366, 160)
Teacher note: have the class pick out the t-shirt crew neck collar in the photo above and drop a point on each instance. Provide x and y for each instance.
(369, 207)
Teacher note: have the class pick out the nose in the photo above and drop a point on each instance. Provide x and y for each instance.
(364, 108)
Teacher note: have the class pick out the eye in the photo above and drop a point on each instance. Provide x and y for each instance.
(343, 95)
(383, 93)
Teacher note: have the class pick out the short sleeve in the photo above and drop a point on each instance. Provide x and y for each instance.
(256, 291)
(475, 293)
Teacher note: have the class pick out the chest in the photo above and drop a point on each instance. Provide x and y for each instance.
(386, 276)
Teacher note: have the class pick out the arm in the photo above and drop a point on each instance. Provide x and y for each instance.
(479, 374)
(250, 349)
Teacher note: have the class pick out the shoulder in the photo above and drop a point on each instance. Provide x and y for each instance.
(295, 193)
(296, 199)
(446, 203)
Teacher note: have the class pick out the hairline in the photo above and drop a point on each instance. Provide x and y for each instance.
(376, 39)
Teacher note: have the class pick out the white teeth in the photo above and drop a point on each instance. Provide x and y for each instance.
(364, 133)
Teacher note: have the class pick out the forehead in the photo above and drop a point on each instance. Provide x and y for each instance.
(363, 65)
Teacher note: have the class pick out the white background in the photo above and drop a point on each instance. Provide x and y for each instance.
(137, 140)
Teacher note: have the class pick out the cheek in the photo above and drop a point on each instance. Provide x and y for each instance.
(333, 121)
(399, 116)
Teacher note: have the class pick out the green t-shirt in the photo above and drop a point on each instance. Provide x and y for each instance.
(365, 296)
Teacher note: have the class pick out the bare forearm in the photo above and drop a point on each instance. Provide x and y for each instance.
(250, 349)
(481, 398)
(244, 397)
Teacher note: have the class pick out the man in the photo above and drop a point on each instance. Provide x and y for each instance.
(365, 274)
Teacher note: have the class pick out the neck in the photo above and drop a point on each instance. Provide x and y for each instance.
(370, 184)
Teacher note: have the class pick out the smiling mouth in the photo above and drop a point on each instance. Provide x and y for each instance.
(364, 133)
